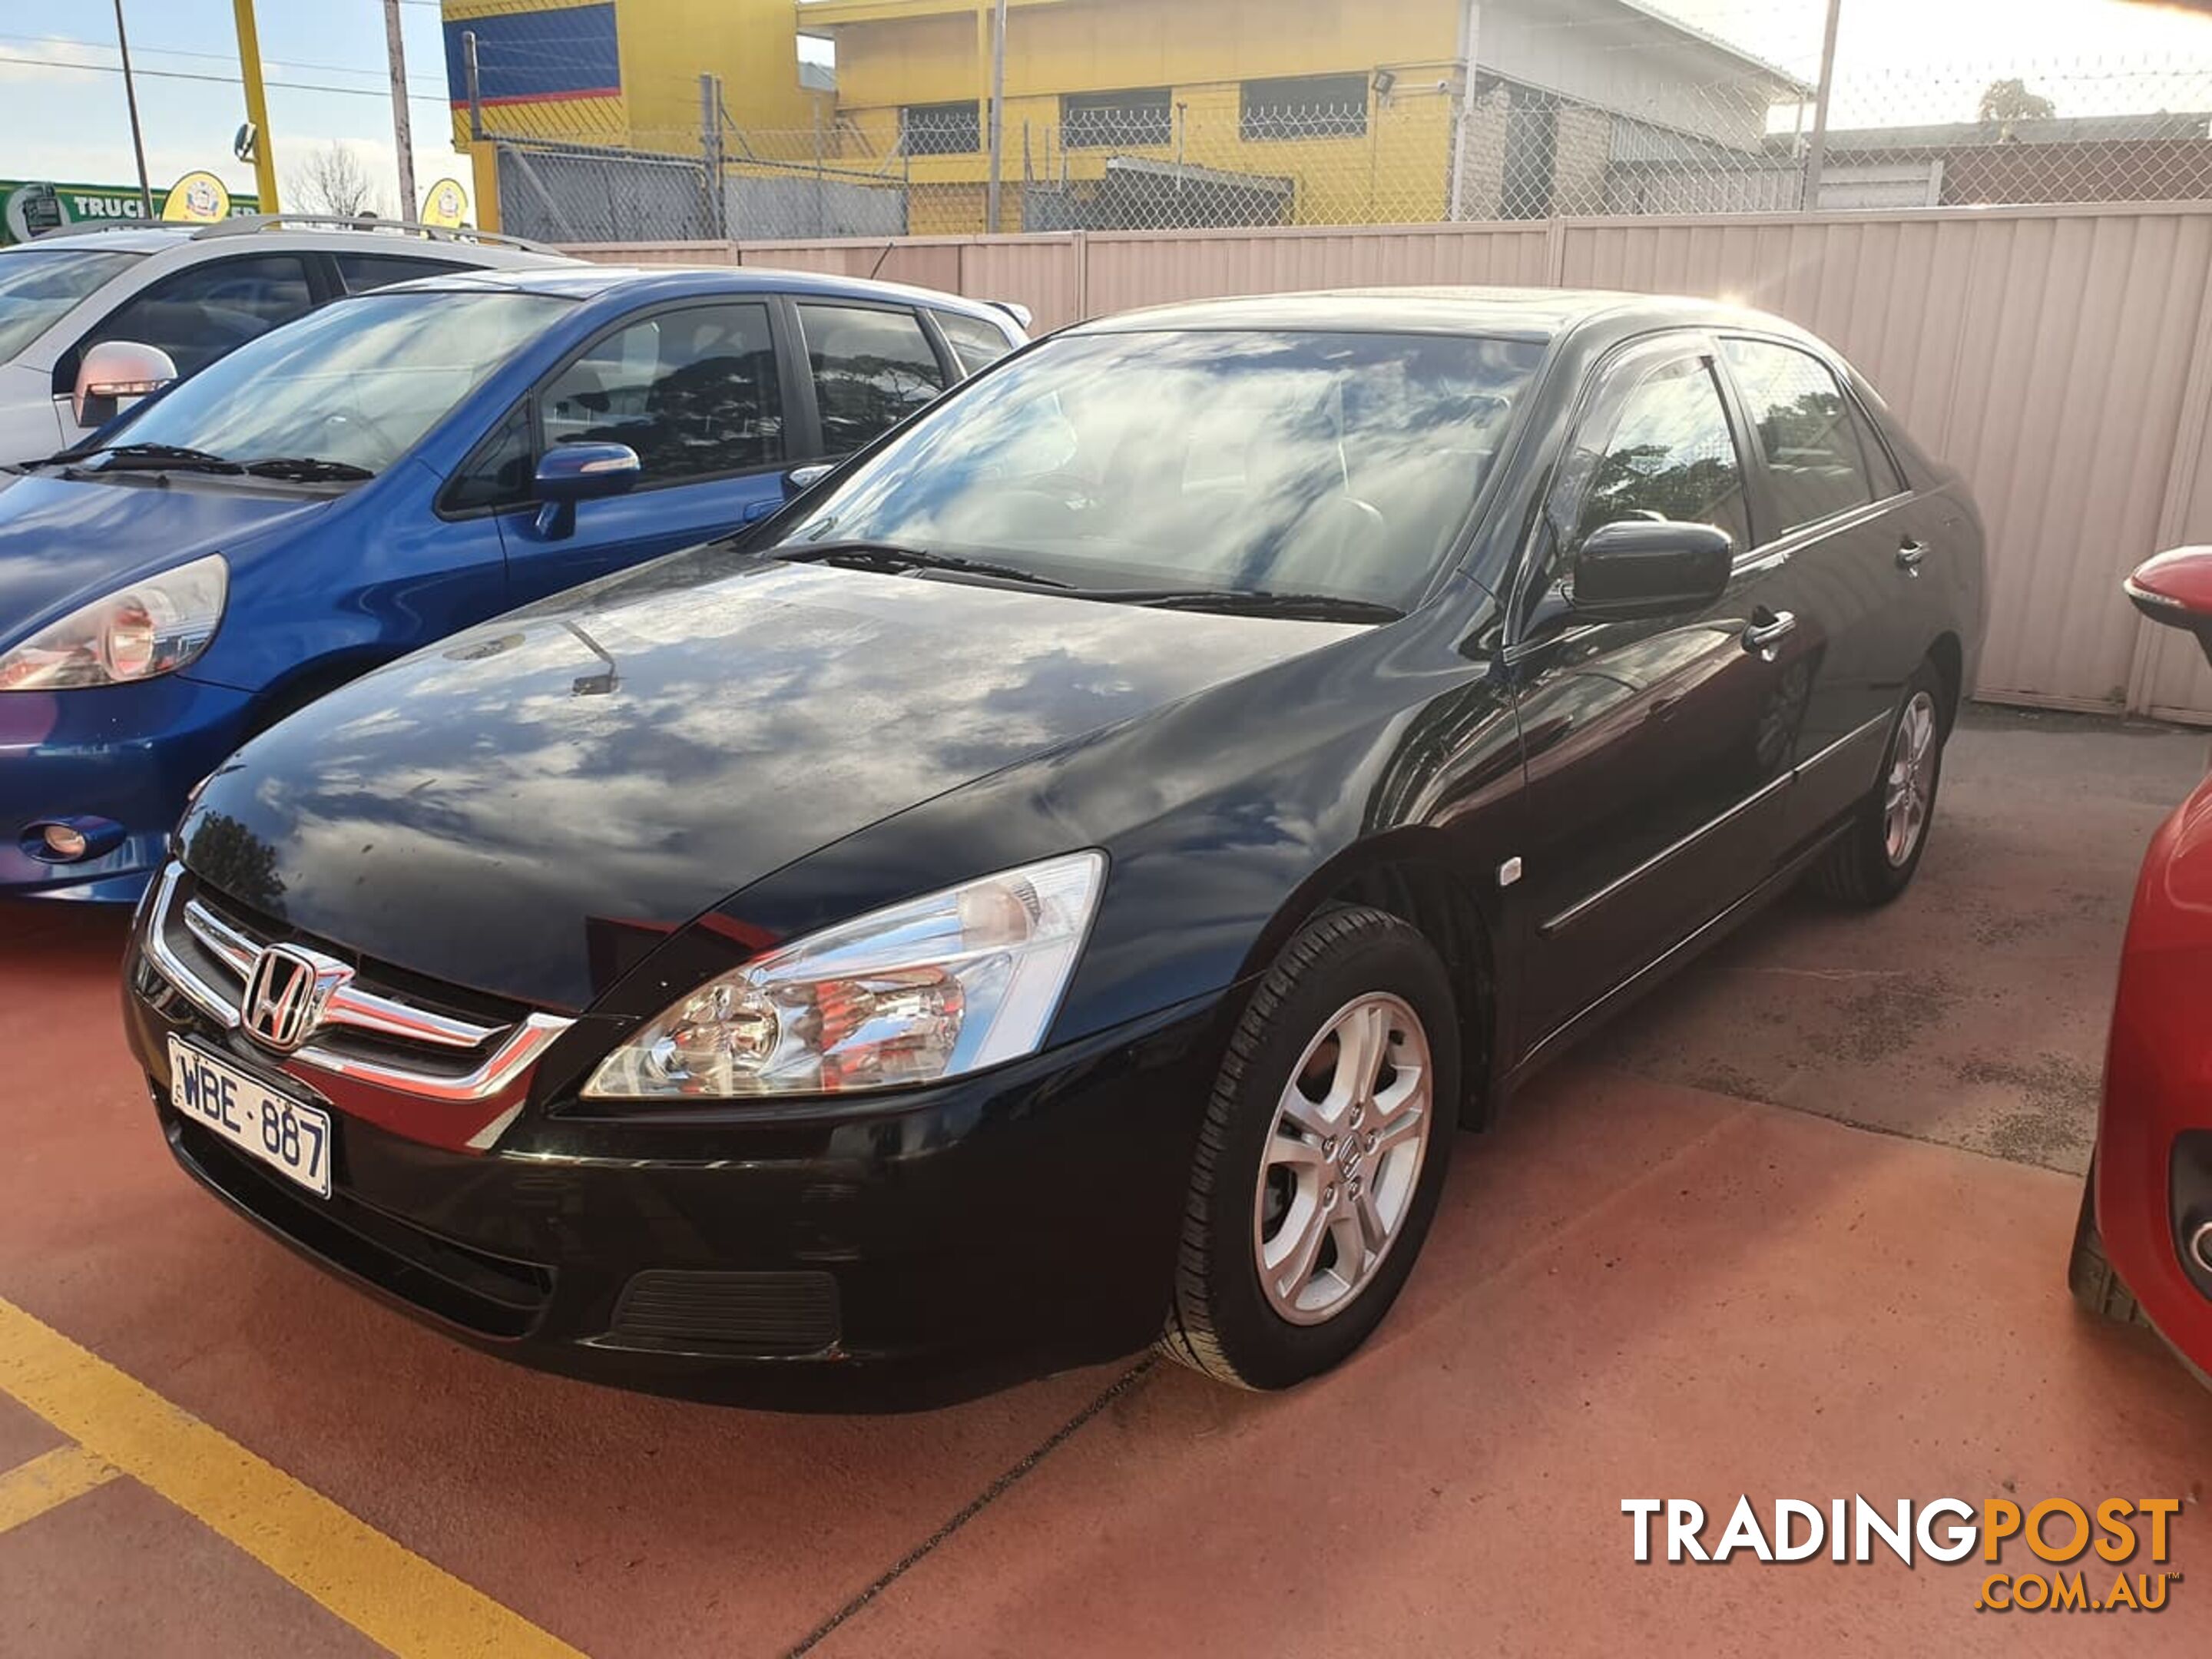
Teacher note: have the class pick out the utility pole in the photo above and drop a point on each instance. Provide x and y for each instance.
(1816, 158)
(257, 104)
(395, 49)
(476, 85)
(130, 97)
(1470, 34)
(998, 114)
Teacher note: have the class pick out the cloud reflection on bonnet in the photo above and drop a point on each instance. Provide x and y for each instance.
(639, 748)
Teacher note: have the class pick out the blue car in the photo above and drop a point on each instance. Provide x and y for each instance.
(389, 470)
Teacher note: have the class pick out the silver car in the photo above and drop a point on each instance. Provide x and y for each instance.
(191, 292)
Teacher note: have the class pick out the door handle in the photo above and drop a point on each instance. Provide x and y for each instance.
(1909, 553)
(1763, 636)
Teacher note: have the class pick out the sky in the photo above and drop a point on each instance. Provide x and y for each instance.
(1902, 62)
(63, 115)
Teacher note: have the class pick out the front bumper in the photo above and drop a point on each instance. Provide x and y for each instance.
(2152, 1179)
(127, 755)
(897, 1253)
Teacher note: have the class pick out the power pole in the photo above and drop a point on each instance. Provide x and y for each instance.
(1470, 37)
(257, 104)
(130, 97)
(998, 115)
(395, 49)
(1816, 158)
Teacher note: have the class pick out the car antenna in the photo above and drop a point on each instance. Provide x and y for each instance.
(880, 257)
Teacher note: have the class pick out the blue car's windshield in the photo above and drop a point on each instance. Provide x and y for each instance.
(354, 385)
(40, 285)
(1337, 464)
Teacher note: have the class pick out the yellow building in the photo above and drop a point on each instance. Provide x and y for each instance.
(871, 117)
(627, 72)
(1143, 113)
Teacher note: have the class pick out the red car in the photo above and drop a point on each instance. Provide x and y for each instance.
(2143, 1250)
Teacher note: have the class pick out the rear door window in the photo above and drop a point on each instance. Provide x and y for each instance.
(694, 391)
(976, 343)
(361, 272)
(872, 367)
(1803, 426)
(202, 313)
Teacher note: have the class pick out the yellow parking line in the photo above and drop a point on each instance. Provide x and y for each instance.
(29, 1489)
(384, 1590)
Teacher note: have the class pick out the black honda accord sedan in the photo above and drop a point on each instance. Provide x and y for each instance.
(1061, 883)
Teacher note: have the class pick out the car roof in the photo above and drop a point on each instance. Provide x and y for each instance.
(211, 240)
(592, 281)
(133, 239)
(1525, 313)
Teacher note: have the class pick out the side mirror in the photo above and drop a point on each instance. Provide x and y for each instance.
(1639, 568)
(2175, 587)
(800, 479)
(114, 370)
(569, 473)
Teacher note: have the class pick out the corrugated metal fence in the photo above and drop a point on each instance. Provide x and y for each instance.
(2061, 357)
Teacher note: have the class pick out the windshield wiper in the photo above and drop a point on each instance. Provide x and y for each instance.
(128, 457)
(1317, 607)
(891, 555)
(307, 469)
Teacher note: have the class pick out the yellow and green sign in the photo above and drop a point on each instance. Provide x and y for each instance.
(30, 207)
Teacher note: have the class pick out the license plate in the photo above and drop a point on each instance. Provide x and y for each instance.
(290, 1136)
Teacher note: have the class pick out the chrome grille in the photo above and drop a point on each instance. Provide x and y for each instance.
(351, 1007)
(369, 1032)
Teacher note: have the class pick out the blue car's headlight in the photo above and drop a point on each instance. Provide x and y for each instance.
(152, 627)
(932, 988)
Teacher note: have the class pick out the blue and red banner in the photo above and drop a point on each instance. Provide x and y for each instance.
(536, 56)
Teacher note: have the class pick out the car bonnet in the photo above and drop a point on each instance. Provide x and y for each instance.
(65, 543)
(527, 807)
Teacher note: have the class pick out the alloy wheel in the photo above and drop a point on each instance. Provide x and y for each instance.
(1342, 1159)
(1912, 782)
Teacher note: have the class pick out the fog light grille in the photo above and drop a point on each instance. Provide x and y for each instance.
(735, 1313)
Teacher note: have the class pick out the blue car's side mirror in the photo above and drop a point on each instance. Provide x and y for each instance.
(569, 473)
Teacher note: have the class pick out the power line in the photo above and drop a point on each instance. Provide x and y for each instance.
(216, 80)
(425, 79)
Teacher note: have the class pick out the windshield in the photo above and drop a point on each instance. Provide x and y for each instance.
(354, 384)
(1324, 463)
(38, 285)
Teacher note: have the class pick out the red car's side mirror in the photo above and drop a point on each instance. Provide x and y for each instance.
(2175, 587)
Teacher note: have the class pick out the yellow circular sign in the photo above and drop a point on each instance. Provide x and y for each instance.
(197, 198)
(446, 206)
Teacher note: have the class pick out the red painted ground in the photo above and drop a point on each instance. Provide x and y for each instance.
(1640, 1288)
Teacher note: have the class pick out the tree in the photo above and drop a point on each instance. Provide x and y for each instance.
(331, 180)
(2006, 102)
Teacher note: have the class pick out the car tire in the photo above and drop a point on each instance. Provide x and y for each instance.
(2089, 1275)
(1873, 861)
(1307, 1163)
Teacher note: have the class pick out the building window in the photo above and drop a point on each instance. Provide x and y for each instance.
(1105, 120)
(1304, 106)
(942, 129)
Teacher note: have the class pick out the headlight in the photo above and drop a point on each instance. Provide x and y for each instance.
(932, 988)
(153, 627)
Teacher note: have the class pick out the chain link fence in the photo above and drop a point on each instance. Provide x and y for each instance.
(1218, 157)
